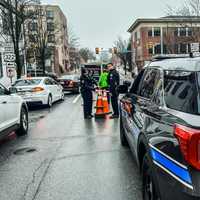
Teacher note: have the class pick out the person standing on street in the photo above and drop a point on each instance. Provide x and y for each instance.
(113, 82)
(87, 87)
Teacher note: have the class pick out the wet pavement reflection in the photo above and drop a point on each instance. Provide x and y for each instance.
(73, 158)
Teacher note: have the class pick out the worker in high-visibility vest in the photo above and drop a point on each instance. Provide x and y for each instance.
(103, 82)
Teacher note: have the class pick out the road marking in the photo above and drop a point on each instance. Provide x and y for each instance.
(76, 99)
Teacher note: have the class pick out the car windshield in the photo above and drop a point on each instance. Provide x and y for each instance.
(27, 82)
(182, 92)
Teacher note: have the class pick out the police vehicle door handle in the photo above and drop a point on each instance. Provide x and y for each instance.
(4, 102)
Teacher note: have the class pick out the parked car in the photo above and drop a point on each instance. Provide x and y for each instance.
(39, 90)
(160, 122)
(13, 114)
(70, 83)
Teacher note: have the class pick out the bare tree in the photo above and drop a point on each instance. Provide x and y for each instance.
(121, 46)
(15, 14)
(74, 44)
(40, 36)
(188, 8)
(86, 54)
(191, 10)
(74, 41)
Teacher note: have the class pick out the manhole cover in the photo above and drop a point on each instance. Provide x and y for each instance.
(23, 151)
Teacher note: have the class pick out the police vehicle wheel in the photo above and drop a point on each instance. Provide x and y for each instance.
(123, 138)
(23, 127)
(149, 190)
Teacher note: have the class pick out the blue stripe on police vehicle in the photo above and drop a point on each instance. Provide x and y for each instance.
(175, 169)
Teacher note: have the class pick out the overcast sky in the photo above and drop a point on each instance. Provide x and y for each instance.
(99, 22)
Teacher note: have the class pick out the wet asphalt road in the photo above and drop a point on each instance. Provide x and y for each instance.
(69, 159)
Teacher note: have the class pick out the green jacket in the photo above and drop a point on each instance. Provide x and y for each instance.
(103, 80)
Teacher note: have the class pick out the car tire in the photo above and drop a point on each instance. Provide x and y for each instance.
(23, 127)
(149, 189)
(123, 138)
(49, 102)
(63, 96)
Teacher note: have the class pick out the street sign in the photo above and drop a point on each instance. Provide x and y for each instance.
(8, 47)
(9, 57)
(194, 47)
(10, 72)
(10, 65)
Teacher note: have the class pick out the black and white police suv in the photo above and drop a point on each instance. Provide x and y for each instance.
(160, 121)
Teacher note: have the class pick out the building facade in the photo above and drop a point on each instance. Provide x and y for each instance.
(167, 35)
(47, 39)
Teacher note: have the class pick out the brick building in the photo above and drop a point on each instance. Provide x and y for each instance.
(167, 35)
(48, 27)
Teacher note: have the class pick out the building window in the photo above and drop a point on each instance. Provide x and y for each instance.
(182, 31)
(51, 38)
(136, 36)
(150, 51)
(50, 26)
(150, 33)
(176, 32)
(157, 49)
(156, 31)
(176, 48)
(50, 14)
(183, 48)
(189, 31)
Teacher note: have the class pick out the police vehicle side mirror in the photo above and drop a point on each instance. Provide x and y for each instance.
(12, 90)
(122, 89)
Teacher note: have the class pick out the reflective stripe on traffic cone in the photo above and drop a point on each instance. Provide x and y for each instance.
(99, 105)
(106, 107)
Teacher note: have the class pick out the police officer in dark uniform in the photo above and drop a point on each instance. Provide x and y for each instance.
(113, 82)
(87, 86)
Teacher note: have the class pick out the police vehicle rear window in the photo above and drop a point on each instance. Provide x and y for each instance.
(181, 91)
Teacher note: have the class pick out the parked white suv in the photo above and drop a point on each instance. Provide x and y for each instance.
(13, 113)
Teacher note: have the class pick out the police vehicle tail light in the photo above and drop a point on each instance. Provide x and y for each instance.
(189, 140)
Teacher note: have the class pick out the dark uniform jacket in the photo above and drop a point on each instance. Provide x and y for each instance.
(86, 83)
(113, 81)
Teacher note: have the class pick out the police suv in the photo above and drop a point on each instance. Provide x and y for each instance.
(160, 121)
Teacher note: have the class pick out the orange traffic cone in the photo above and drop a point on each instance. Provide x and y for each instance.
(99, 105)
(106, 107)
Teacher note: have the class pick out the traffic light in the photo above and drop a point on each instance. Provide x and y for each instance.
(115, 50)
(97, 50)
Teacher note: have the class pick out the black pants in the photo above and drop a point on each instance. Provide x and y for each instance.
(87, 103)
(115, 106)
